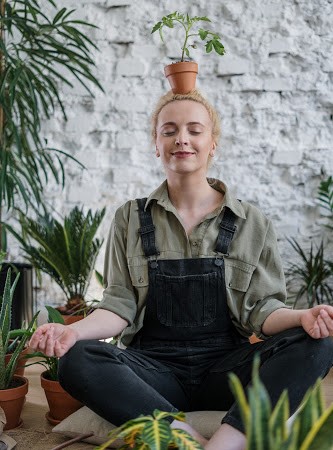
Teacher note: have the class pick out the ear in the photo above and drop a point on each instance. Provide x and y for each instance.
(212, 152)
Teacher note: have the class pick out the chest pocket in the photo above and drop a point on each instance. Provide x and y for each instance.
(238, 274)
(138, 271)
(186, 301)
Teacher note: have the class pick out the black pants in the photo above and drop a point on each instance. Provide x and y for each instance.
(122, 384)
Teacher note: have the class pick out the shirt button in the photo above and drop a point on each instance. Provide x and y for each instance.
(194, 243)
(141, 280)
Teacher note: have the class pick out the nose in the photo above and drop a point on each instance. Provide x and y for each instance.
(181, 139)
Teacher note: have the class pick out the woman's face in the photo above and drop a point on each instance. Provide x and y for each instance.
(184, 138)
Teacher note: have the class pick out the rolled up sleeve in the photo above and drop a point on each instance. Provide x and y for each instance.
(267, 289)
(118, 295)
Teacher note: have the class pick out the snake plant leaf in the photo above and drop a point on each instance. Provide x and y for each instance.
(278, 429)
(184, 440)
(320, 436)
(311, 409)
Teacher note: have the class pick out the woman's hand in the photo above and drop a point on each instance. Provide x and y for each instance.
(318, 321)
(53, 339)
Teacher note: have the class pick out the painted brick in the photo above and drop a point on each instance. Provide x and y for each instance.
(273, 91)
(131, 67)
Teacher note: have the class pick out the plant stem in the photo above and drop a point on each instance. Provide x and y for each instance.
(186, 38)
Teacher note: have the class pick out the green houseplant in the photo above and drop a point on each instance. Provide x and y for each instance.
(182, 75)
(12, 388)
(267, 428)
(153, 432)
(66, 251)
(61, 404)
(325, 197)
(41, 48)
(311, 277)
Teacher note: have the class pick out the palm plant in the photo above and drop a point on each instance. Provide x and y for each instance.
(65, 250)
(37, 48)
(311, 275)
(325, 197)
(21, 336)
(267, 428)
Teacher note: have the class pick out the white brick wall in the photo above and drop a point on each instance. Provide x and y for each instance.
(273, 90)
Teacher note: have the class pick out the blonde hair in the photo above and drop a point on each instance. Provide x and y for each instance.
(193, 95)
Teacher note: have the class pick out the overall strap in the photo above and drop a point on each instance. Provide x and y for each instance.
(147, 228)
(226, 232)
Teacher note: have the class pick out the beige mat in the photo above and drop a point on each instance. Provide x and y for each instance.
(36, 432)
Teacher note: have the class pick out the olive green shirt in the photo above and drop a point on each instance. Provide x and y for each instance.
(253, 271)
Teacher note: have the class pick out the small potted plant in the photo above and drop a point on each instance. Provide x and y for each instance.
(13, 388)
(152, 432)
(66, 251)
(60, 402)
(182, 75)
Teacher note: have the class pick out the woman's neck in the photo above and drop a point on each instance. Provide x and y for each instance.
(193, 199)
(189, 192)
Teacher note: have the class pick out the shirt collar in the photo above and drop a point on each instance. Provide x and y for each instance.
(161, 195)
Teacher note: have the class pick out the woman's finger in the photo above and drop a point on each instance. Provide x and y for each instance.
(327, 320)
(324, 332)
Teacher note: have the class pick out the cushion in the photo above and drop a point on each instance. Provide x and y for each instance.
(84, 421)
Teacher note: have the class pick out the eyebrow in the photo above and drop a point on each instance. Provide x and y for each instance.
(189, 123)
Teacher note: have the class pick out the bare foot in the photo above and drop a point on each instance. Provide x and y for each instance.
(186, 427)
(227, 438)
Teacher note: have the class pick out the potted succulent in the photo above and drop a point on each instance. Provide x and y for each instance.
(66, 251)
(13, 388)
(182, 75)
(60, 402)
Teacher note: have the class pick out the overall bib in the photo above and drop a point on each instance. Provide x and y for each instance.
(187, 324)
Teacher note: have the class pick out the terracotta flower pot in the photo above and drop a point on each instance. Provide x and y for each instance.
(181, 76)
(20, 362)
(12, 401)
(60, 402)
(71, 319)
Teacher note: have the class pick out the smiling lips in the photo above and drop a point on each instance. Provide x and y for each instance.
(182, 154)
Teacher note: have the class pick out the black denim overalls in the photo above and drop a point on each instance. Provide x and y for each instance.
(187, 323)
(182, 356)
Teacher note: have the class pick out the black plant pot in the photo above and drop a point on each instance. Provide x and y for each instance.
(23, 299)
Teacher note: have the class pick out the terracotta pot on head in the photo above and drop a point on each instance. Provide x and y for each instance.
(181, 76)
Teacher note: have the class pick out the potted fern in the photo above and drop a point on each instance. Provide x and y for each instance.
(65, 250)
(182, 75)
(13, 388)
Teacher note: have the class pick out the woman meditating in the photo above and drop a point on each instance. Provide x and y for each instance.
(191, 272)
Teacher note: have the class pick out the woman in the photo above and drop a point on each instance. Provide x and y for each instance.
(191, 273)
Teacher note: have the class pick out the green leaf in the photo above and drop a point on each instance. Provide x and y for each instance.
(203, 34)
(156, 434)
(184, 440)
(209, 46)
(321, 434)
(156, 27)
